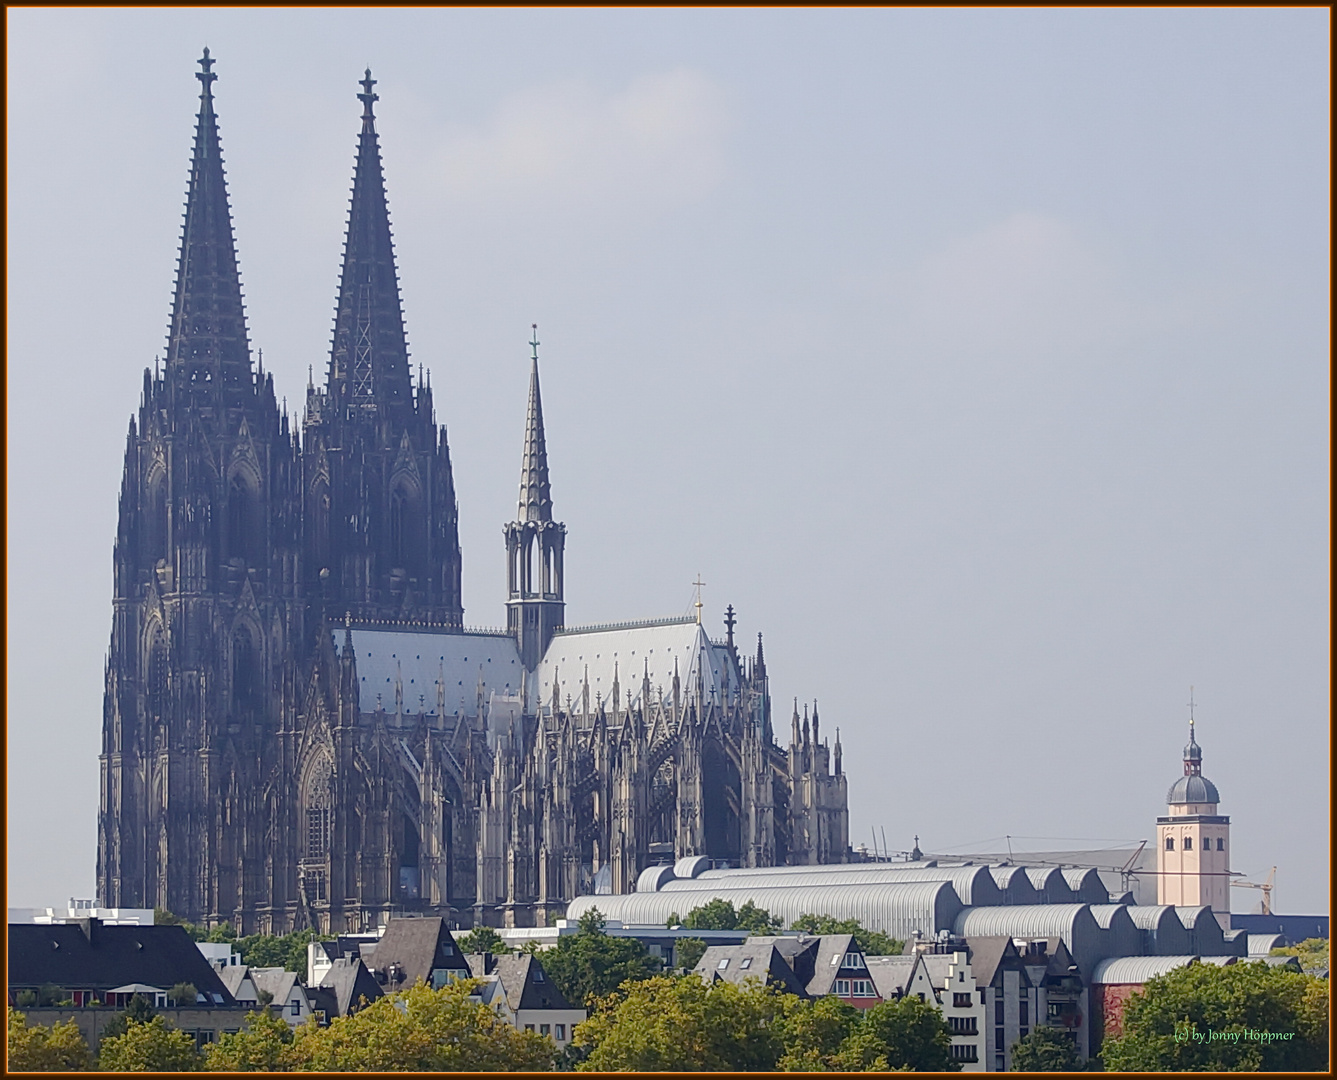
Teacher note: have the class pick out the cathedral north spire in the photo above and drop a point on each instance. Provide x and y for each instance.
(535, 489)
(369, 370)
(207, 348)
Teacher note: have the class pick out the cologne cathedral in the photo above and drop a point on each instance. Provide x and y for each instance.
(298, 729)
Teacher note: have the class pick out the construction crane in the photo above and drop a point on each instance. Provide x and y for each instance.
(1266, 886)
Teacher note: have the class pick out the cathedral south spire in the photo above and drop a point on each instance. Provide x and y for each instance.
(369, 369)
(208, 355)
(535, 544)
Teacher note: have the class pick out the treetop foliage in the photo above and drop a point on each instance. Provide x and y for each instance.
(872, 942)
(483, 939)
(287, 951)
(149, 1047)
(689, 1025)
(37, 1048)
(1046, 1049)
(590, 964)
(1312, 954)
(1247, 1017)
(717, 914)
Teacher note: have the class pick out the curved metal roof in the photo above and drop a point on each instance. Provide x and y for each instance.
(973, 884)
(1192, 789)
(1016, 885)
(1204, 932)
(1135, 970)
(1050, 884)
(1262, 944)
(898, 909)
(1086, 886)
(1123, 938)
(1163, 933)
(1072, 923)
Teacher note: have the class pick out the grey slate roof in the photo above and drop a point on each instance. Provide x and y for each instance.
(344, 986)
(829, 963)
(754, 959)
(522, 977)
(417, 947)
(987, 956)
(421, 660)
(86, 954)
(891, 974)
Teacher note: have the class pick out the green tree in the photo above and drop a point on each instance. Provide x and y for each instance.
(287, 951)
(813, 1032)
(1046, 1049)
(151, 1047)
(139, 1011)
(37, 1048)
(421, 1030)
(1312, 954)
(684, 1025)
(690, 950)
(717, 914)
(182, 994)
(589, 963)
(872, 942)
(263, 1045)
(1176, 1023)
(483, 939)
(905, 1034)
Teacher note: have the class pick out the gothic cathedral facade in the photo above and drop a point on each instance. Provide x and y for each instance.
(298, 729)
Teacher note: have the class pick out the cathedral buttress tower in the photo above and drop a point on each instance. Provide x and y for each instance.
(535, 544)
(381, 534)
(205, 565)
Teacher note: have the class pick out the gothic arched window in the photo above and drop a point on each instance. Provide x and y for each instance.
(1188, 843)
(406, 528)
(155, 520)
(245, 672)
(156, 684)
(316, 805)
(243, 521)
(1169, 843)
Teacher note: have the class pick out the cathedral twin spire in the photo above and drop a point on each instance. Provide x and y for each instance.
(207, 348)
(369, 369)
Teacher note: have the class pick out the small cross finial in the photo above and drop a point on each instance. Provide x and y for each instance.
(206, 75)
(534, 342)
(1190, 710)
(367, 97)
(698, 583)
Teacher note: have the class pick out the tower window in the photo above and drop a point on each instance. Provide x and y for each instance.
(1169, 843)
(1188, 843)
(1220, 843)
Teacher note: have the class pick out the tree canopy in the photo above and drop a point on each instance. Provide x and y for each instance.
(1247, 1017)
(1312, 954)
(38, 1048)
(287, 951)
(872, 942)
(263, 1045)
(690, 1025)
(421, 1030)
(589, 963)
(149, 1047)
(482, 939)
(1046, 1049)
(717, 914)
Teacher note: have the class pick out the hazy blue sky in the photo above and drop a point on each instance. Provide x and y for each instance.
(979, 358)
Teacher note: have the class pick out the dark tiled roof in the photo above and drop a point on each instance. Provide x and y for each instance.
(89, 955)
(417, 946)
(987, 956)
(347, 981)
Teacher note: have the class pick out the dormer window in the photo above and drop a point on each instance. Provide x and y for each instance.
(853, 960)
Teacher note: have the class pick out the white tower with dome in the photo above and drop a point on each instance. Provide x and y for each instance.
(1193, 840)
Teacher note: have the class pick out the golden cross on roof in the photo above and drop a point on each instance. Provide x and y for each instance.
(699, 584)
